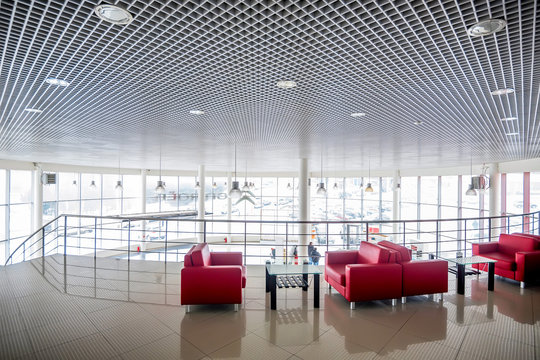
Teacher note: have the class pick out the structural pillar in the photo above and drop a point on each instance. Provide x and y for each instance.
(303, 204)
(200, 205)
(494, 200)
(396, 215)
(142, 207)
(229, 207)
(38, 198)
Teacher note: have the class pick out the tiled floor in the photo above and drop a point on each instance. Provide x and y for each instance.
(81, 308)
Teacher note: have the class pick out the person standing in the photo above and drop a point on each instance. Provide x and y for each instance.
(310, 248)
(315, 256)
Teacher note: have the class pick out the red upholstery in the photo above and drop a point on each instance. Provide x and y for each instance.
(517, 255)
(367, 274)
(421, 276)
(212, 278)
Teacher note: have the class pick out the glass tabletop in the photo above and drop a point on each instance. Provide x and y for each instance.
(469, 260)
(290, 269)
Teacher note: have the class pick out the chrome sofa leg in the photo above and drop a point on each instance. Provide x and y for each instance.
(353, 305)
(329, 288)
(236, 307)
(404, 299)
(394, 302)
(188, 308)
(522, 284)
(442, 297)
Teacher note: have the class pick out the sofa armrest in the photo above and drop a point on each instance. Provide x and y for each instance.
(528, 265)
(482, 248)
(211, 285)
(341, 257)
(226, 258)
(425, 277)
(372, 281)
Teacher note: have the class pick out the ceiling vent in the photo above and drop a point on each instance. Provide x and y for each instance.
(48, 179)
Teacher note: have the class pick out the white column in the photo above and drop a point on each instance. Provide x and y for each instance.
(303, 203)
(395, 204)
(200, 204)
(38, 198)
(142, 207)
(229, 207)
(494, 199)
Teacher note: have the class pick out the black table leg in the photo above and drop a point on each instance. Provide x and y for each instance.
(461, 279)
(316, 284)
(267, 280)
(491, 276)
(273, 291)
(304, 288)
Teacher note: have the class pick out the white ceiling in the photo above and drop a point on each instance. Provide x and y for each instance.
(132, 87)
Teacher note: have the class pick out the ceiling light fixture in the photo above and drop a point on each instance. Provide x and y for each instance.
(369, 188)
(92, 184)
(358, 114)
(509, 119)
(74, 183)
(486, 27)
(504, 91)
(113, 14)
(251, 186)
(197, 185)
(196, 112)
(119, 186)
(286, 84)
(235, 192)
(214, 185)
(160, 187)
(33, 110)
(335, 186)
(470, 191)
(57, 82)
(321, 190)
(289, 187)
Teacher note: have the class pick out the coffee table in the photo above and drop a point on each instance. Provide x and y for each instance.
(462, 261)
(290, 275)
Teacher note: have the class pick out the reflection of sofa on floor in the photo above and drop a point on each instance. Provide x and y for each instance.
(508, 301)
(420, 277)
(212, 277)
(428, 323)
(517, 255)
(370, 273)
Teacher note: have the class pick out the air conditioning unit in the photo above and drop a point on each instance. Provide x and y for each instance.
(48, 179)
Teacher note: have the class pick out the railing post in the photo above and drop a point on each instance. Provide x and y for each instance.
(489, 231)
(508, 225)
(348, 237)
(286, 243)
(522, 223)
(129, 239)
(367, 232)
(465, 239)
(327, 239)
(204, 231)
(327, 236)
(95, 236)
(245, 243)
(43, 242)
(24, 252)
(65, 235)
(538, 223)
(437, 235)
(404, 240)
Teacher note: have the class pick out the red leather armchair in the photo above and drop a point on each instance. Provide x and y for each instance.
(211, 277)
(370, 273)
(420, 276)
(517, 255)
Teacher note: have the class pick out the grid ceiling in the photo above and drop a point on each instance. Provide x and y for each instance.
(132, 87)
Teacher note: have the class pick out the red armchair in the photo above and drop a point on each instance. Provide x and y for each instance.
(370, 273)
(420, 276)
(517, 255)
(211, 277)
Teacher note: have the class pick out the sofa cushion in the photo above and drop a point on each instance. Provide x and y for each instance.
(187, 257)
(510, 244)
(504, 261)
(535, 237)
(403, 254)
(373, 254)
(336, 272)
(201, 255)
(244, 276)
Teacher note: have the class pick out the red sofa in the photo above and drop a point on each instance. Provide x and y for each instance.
(211, 277)
(517, 255)
(370, 273)
(420, 276)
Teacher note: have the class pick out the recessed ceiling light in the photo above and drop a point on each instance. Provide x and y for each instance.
(486, 27)
(509, 119)
(113, 14)
(418, 122)
(358, 114)
(499, 92)
(286, 84)
(512, 134)
(196, 112)
(33, 110)
(57, 82)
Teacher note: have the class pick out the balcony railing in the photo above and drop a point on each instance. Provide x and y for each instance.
(166, 238)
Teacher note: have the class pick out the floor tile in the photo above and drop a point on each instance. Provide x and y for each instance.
(15, 345)
(90, 347)
(330, 346)
(494, 347)
(250, 347)
(170, 347)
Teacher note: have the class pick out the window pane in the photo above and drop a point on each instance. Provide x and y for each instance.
(3, 186)
(67, 189)
(88, 191)
(21, 187)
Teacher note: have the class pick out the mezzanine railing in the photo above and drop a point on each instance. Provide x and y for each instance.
(166, 238)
